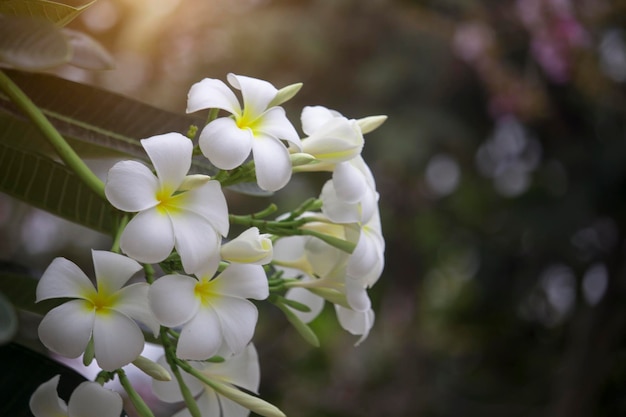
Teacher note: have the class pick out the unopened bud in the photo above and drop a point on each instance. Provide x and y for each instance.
(193, 181)
(285, 94)
(152, 369)
(254, 404)
(368, 124)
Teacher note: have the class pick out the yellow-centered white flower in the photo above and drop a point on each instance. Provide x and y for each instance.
(257, 127)
(89, 399)
(105, 312)
(214, 312)
(174, 210)
(250, 247)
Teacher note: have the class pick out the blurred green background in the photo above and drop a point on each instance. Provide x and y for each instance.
(502, 180)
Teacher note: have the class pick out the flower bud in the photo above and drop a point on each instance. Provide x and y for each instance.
(152, 369)
(250, 247)
(368, 124)
(193, 181)
(254, 404)
(285, 94)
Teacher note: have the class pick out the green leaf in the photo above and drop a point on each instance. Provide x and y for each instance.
(96, 123)
(31, 43)
(58, 13)
(48, 185)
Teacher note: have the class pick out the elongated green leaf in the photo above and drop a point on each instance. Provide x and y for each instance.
(59, 13)
(49, 185)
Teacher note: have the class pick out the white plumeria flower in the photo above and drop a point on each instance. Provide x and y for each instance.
(105, 313)
(212, 312)
(250, 247)
(332, 138)
(175, 210)
(258, 127)
(89, 399)
(241, 370)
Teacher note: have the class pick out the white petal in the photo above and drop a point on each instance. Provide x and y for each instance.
(209, 202)
(367, 261)
(66, 329)
(244, 281)
(338, 141)
(112, 270)
(357, 297)
(314, 118)
(338, 210)
(232, 409)
(133, 302)
(63, 278)
(306, 297)
(224, 143)
(212, 94)
(197, 242)
(45, 401)
(172, 299)
(272, 163)
(275, 123)
(148, 237)
(362, 166)
(209, 404)
(249, 247)
(369, 205)
(90, 399)
(117, 340)
(171, 156)
(238, 319)
(241, 369)
(356, 323)
(257, 94)
(289, 248)
(131, 186)
(350, 184)
(201, 337)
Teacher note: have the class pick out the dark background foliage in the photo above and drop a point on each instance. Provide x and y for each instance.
(501, 173)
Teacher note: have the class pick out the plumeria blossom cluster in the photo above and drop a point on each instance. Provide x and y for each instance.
(176, 277)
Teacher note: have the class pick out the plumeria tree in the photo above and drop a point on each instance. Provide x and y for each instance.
(175, 274)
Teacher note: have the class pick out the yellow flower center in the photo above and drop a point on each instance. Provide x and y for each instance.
(247, 121)
(168, 201)
(101, 301)
(206, 291)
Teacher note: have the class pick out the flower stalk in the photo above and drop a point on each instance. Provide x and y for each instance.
(60, 145)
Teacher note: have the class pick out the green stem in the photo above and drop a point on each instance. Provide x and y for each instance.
(170, 356)
(115, 247)
(67, 154)
(141, 407)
